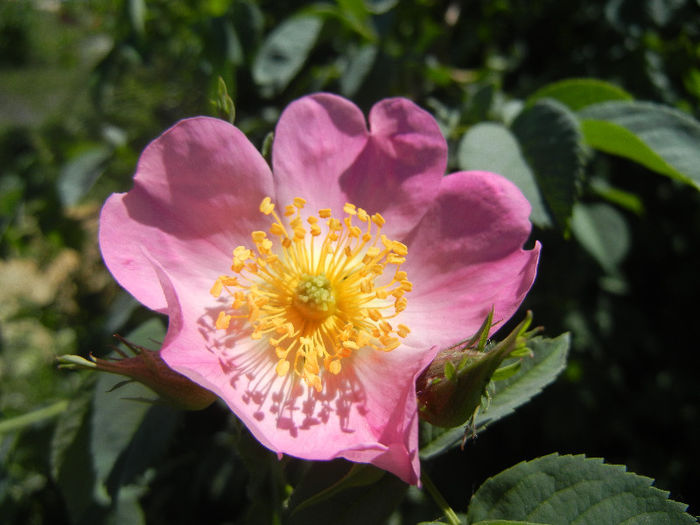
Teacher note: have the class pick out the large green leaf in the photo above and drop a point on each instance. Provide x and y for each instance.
(563, 490)
(284, 51)
(577, 93)
(658, 137)
(117, 411)
(550, 140)
(492, 147)
(103, 445)
(534, 374)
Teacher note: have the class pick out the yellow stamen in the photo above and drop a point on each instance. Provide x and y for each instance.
(317, 298)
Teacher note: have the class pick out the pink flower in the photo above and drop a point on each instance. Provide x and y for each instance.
(354, 261)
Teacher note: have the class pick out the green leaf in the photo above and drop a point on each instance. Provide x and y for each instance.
(72, 462)
(492, 147)
(379, 7)
(284, 51)
(577, 93)
(658, 137)
(550, 139)
(35, 417)
(534, 374)
(115, 416)
(603, 233)
(67, 430)
(573, 489)
(355, 14)
(320, 483)
(80, 173)
(114, 422)
(344, 494)
(147, 446)
(621, 198)
(359, 64)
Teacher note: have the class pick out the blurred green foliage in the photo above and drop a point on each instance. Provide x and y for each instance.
(84, 85)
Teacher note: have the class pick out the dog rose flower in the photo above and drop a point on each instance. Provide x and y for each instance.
(309, 297)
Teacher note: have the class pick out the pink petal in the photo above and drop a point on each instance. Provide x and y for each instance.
(324, 153)
(196, 194)
(389, 380)
(466, 256)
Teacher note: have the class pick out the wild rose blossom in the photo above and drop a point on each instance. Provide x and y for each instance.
(309, 297)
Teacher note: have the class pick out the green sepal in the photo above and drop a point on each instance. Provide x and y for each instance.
(447, 399)
(223, 103)
(506, 371)
(147, 367)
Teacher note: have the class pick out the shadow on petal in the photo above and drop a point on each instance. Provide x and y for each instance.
(269, 403)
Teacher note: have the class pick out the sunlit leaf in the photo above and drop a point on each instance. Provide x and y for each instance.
(658, 137)
(573, 489)
(577, 93)
(284, 51)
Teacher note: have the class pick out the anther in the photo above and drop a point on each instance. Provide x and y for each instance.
(266, 206)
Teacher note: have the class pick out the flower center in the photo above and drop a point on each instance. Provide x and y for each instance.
(314, 297)
(319, 292)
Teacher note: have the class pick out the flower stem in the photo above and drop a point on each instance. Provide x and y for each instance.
(450, 514)
(37, 416)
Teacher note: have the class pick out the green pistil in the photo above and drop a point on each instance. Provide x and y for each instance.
(314, 296)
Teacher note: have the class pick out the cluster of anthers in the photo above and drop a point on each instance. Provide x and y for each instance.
(318, 301)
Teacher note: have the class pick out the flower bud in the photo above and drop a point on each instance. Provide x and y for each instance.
(147, 367)
(451, 388)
